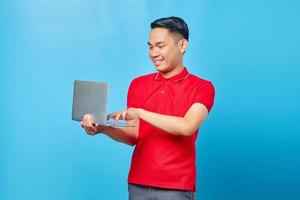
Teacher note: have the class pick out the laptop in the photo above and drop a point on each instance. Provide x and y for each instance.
(92, 98)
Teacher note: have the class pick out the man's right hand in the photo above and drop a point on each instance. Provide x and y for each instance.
(127, 135)
(89, 127)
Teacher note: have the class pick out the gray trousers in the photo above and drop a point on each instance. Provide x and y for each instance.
(138, 192)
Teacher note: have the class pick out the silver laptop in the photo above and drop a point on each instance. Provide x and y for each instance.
(92, 98)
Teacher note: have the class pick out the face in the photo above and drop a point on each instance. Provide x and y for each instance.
(166, 49)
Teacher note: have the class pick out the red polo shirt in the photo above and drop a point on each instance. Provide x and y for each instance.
(161, 159)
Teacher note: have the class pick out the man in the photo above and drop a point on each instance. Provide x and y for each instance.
(168, 106)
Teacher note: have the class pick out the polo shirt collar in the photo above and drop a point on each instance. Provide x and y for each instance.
(178, 77)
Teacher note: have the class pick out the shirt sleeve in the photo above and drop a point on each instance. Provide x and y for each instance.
(205, 95)
(131, 95)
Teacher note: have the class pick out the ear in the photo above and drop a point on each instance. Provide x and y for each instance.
(183, 44)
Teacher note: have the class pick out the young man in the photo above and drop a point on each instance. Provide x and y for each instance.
(168, 106)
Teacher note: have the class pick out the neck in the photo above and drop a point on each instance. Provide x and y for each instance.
(172, 72)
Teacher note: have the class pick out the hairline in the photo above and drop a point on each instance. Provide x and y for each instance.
(177, 36)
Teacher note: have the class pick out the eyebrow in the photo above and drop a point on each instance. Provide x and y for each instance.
(157, 43)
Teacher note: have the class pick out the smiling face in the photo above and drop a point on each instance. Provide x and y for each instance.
(166, 50)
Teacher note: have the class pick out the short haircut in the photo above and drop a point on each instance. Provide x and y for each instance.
(173, 24)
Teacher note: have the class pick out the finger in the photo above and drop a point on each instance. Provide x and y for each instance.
(85, 120)
(90, 130)
(86, 130)
(91, 120)
(111, 115)
(118, 116)
(93, 130)
(124, 115)
(82, 122)
(114, 114)
(88, 120)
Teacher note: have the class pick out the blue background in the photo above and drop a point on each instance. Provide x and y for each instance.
(247, 149)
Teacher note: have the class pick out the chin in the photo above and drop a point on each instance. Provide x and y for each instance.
(160, 68)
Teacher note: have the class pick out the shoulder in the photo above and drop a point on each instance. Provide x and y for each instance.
(204, 91)
(201, 82)
(143, 79)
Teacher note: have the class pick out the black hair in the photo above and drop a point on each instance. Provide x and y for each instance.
(173, 24)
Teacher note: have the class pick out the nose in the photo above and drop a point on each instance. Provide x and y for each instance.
(153, 52)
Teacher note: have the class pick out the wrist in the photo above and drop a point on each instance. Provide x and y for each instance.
(139, 112)
(102, 129)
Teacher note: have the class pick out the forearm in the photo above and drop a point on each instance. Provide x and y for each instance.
(170, 124)
(127, 135)
(184, 126)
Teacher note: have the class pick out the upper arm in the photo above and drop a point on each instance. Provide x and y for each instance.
(203, 102)
(205, 95)
(131, 95)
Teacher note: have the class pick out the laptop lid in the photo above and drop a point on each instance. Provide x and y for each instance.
(90, 98)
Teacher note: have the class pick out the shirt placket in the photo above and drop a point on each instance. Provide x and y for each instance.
(163, 90)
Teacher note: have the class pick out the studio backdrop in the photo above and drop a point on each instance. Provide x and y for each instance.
(247, 149)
